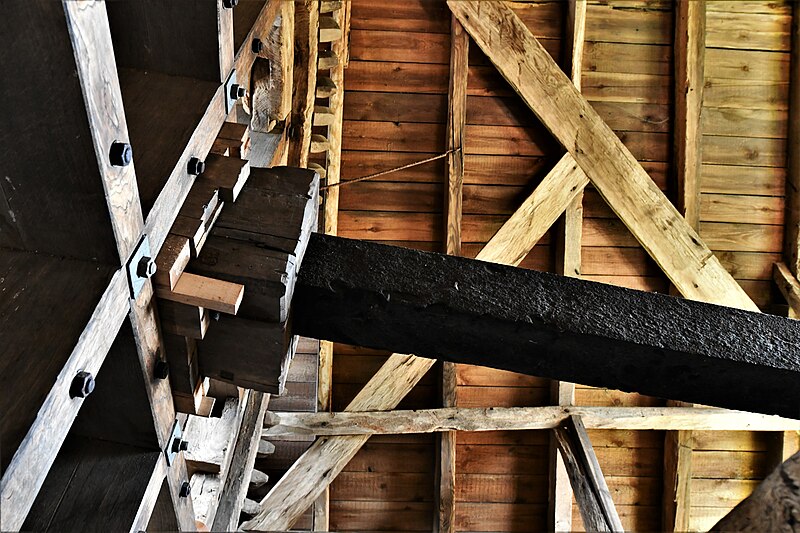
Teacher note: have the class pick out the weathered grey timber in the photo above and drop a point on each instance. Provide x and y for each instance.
(536, 323)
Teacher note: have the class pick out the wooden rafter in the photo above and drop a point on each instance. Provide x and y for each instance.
(614, 171)
(689, 53)
(591, 491)
(569, 236)
(445, 488)
(519, 418)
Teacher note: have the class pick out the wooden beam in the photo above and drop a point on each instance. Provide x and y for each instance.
(569, 236)
(689, 53)
(677, 479)
(517, 237)
(445, 488)
(520, 418)
(614, 171)
(788, 285)
(590, 488)
(466, 311)
(456, 122)
(792, 234)
(306, 20)
(201, 291)
(773, 506)
(243, 457)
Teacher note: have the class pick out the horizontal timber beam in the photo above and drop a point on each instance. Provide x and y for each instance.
(541, 324)
(519, 418)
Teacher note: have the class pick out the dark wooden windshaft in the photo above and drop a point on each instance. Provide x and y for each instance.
(541, 324)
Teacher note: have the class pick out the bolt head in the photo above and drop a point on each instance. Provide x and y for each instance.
(146, 267)
(161, 370)
(237, 91)
(186, 490)
(229, 4)
(121, 154)
(257, 46)
(82, 385)
(196, 166)
(184, 445)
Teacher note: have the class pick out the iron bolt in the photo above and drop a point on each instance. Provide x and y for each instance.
(161, 370)
(179, 445)
(186, 489)
(229, 4)
(196, 167)
(146, 267)
(215, 316)
(120, 154)
(82, 385)
(257, 46)
(237, 91)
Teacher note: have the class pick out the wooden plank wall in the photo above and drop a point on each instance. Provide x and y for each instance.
(744, 125)
(395, 113)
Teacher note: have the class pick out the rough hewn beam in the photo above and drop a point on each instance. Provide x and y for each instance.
(519, 418)
(569, 241)
(541, 324)
(590, 488)
(792, 239)
(445, 488)
(689, 53)
(773, 506)
(614, 171)
(306, 20)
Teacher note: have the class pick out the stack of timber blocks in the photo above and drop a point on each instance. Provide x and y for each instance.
(225, 276)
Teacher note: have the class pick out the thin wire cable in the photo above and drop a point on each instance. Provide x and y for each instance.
(384, 172)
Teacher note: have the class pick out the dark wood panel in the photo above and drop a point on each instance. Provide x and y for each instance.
(46, 305)
(52, 198)
(178, 38)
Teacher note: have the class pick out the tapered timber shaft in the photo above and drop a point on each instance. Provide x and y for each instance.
(468, 311)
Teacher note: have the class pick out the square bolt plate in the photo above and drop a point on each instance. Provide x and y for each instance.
(136, 282)
(177, 433)
(229, 102)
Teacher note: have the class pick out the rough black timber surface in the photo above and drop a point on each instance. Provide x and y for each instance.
(468, 311)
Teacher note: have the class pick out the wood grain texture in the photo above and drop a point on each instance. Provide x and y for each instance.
(456, 123)
(201, 291)
(620, 179)
(243, 457)
(515, 239)
(111, 479)
(792, 238)
(148, 343)
(339, 48)
(28, 467)
(519, 418)
(44, 174)
(91, 38)
(588, 483)
(690, 22)
(306, 19)
(178, 39)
